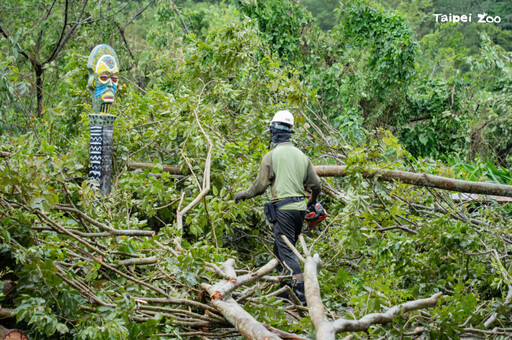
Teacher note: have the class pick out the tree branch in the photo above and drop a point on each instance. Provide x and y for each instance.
(62, 41)
(22, 52)
(366, 321)
(418, 179)
(243, 321)
(139, 12)
(508, 299)
(66, 10)
(327, 330)
(138, 261)
(224, 287)
(111, 230)
(206, 175)
(185, 28)
(324, 328)
(294, 250)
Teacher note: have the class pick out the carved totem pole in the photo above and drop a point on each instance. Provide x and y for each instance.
(103, 66)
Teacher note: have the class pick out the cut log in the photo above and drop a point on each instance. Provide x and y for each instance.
(12, 334)
(422, 180)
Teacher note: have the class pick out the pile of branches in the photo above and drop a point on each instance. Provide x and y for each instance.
(219, 314)
(79, 245)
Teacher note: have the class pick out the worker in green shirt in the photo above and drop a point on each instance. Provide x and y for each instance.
(289, 173)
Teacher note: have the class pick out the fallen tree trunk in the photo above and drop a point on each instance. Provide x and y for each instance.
(418, 179)
(423, 180)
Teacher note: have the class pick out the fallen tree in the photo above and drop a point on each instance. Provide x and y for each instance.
(249, 327)
(422, 180)
(407, 177)
(100, 251)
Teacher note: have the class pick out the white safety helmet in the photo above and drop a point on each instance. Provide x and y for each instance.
(283, 116)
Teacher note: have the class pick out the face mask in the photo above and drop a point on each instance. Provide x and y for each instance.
(103, 68)
(279, 137)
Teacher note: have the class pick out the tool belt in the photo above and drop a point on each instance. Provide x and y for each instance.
(271, 207)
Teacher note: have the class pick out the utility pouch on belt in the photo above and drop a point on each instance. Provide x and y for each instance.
(270, 208)
(270, 212)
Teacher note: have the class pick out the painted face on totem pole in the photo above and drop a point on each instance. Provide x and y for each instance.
(103, 67)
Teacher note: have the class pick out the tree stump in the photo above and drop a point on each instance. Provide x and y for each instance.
(11, 334)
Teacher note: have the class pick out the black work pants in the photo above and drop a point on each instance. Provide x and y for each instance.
(289, 224)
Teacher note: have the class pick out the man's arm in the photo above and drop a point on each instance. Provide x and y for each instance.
(262, 182)
(312, 183)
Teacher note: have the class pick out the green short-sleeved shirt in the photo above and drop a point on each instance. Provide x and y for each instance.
(289, 172)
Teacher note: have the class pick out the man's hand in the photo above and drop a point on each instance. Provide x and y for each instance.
(239, 197)
(311, 205)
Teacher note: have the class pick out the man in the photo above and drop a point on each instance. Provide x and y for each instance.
(289, 173)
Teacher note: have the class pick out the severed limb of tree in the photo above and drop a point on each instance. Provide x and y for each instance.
(418, 179)
(325, 329)
(243, 321)
(137, 261)
(12, 334)
(232, 311)
(111, 230)
(224, 287)
(423, 180)
(413, 178)
(226, 270)
(342, 325)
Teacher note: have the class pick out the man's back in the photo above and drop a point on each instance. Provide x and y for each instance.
(290, 168)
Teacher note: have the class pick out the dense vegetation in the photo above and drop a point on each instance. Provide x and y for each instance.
(371, 84)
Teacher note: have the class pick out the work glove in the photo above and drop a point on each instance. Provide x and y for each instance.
(311, 205)
(239, 197)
